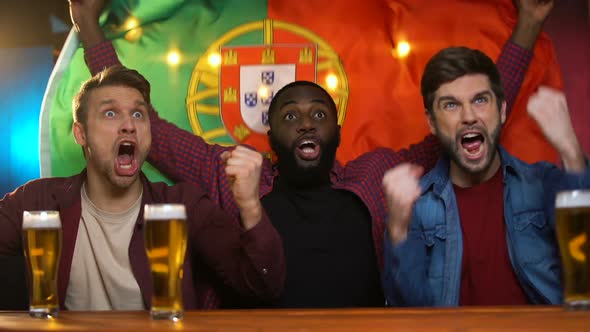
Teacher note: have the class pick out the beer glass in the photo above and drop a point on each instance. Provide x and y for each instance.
(165, 245)
(572, 212)
(42, 247)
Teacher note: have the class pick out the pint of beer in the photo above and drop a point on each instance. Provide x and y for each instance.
(42, 247)
(165, 244)
(572, 211)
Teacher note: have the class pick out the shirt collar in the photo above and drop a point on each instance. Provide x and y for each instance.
(438, 178)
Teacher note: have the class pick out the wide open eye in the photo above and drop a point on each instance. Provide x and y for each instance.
(481, 100)
(289, 116)
(319, 115)
(450, 105)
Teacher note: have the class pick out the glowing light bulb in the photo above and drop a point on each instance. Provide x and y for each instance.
(263, 92)
(331, 82)
(403, 49)
(134, 31)
(173, 58)
(131, 23)
(214, 59)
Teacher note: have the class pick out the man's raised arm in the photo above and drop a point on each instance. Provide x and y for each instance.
(518, 51)
(512, 64)
(179, 154)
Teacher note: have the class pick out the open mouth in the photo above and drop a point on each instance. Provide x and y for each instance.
(125, 162)
(472, 143)
(308, 149)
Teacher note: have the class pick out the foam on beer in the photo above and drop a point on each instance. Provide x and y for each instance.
(41, 219)
(572, 199)
(164, 211)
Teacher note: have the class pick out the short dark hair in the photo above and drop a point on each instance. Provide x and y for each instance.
(112, 76)
(453, 62)
(273, 104)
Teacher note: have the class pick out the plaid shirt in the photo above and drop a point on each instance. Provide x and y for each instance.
(184, 156)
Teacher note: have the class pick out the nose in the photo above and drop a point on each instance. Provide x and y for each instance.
(128, 126)
(468, 115)
(306, 124)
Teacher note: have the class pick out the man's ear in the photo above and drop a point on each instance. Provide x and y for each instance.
(503, 112)
(79, 133)
(431, 122)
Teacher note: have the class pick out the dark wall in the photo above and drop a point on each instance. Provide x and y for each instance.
(569, 28)
(28, 23)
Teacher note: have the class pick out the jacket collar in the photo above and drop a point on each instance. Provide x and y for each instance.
(438, 178)
(67, 193)
(510, 164)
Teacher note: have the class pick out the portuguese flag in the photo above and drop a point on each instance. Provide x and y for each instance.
(215, 65)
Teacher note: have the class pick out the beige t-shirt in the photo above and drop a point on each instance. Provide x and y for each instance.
(101, 276)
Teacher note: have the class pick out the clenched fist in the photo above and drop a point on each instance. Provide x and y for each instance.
(401, 185)
(242, 167)
(84, 15)
(549, 109)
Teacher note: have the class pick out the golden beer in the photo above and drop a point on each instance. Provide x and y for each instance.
(42, 247)
(572, 212)
(165, 245)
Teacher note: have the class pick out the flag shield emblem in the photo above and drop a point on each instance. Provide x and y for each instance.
(267, 77)
(233, 84)
(256, 75)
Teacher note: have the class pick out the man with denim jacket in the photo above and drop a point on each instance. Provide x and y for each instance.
(479, 228)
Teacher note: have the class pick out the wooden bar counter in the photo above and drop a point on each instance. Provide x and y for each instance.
(388, 319)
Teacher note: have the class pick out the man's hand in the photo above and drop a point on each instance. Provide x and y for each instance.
(549, 109)
(242, 167)
(531, 16)
(85, 15)
(536, 11)
(401, 185)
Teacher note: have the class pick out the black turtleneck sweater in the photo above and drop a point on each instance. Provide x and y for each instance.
(328, 247)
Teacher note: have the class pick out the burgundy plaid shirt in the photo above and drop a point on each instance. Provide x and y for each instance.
(184, 156)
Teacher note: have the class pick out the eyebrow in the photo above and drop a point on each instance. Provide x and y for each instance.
(112, 101)
(292, 101)
(106, 102)
(445, 98)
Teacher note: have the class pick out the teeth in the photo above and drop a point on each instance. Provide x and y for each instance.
(470, 135)
(125, 166)
(305, 142)
(308, 150)
(126, 144)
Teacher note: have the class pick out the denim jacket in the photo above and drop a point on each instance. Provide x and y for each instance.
(425, 269)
